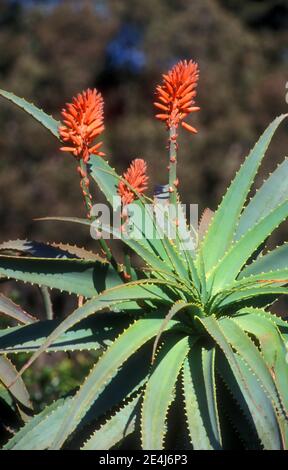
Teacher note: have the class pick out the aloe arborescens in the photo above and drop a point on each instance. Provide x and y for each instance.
(190, 331)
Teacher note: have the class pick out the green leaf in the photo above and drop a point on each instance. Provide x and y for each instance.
(275, 319)
(228, 268)
(47, 250)
(278, 277)
(35, 249)
(176, 259)
(203, 281)
(158, 394)
(235, 299)
(273, 349)
(77, 252)
(245, 347)
(272, 360)
(222, 228)
(141, 219)
(94, 333)
(276, 259)
(192, 269)
(130, 380)
(137, 246)
(104, 176)
(8, 373)
(235, 409)
(142, 227)
(149, 251)
(80, 277)
(47, 121)
(6, 397)
(205, 220)
(255, 399)
(115, 429)
(264, 419)
(174, 236)
(139, 290)
(179, 305)
(208, 365)
(272, 193)
(186, 236)
(9, 308)
(197, 415)
(126, 383)
(39, 432)
(107, 179)
(106, 368)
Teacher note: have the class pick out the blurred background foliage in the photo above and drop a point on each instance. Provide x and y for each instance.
(52, 49)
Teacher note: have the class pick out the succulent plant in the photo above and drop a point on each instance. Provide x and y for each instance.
(186, 339)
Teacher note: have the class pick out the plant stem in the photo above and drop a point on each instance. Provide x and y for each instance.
(84, 183)
(173, 183)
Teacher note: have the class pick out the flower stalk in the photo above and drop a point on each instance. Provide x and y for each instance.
(84, 184)
(172, 167)
(174, 102)
(83, 122)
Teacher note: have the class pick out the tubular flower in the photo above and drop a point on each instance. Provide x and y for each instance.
(83, 122)
(175, 97)
(136, 176)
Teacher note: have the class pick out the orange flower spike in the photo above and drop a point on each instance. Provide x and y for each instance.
(137, 178)
(176, 94)
(82, 124)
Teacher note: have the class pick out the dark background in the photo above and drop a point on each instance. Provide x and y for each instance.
(50, 50)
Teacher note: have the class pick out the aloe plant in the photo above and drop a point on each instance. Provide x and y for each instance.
(186, 340)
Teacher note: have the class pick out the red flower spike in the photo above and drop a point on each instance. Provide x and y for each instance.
(82, 123)
(176, 94)
(136, 176)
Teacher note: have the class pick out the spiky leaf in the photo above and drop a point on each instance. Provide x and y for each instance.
(47, 121)
(80, 277)
(222, 228)
(106, 368)
(159, 392)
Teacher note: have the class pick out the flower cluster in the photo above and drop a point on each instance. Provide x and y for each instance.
(83, 122)
(175, 97)
(136, 178)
